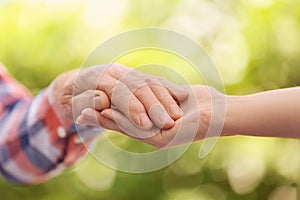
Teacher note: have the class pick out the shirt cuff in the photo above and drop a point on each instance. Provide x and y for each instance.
(77, 138)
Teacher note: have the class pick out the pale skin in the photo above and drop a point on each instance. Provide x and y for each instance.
(273, 113)
(269, 114)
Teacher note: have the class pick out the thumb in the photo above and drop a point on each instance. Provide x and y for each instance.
(94, 99)
(178, 92)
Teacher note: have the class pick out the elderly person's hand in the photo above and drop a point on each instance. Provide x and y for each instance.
(192, 126)
(142, 98)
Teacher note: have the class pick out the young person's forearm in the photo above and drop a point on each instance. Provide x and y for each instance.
(273, 114)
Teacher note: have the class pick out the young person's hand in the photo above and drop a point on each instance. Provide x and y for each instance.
(193, 125)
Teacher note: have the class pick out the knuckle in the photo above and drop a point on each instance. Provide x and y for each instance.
(164, 95)
(118, 93)
(144, 92)
(153, 81)
(141, 94)
(114, 65)
(115, 69)
(136, 73)
(135, 85)
(110, 89)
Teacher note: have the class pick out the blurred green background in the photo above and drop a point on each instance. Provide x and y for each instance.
(255, 45)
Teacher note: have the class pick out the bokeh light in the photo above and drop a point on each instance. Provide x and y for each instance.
(255, 45)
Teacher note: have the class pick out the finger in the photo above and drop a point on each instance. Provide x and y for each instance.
(82, 120)
(166, 100)
(101, 100)
(178, 92)
(87, 78)
(117, 70)
(122, 98)
(97, 118)
(134, 81)
(133, 109)
(145, 95)
(95, 99)
(184, 131)
(127, 127)
(162, 94)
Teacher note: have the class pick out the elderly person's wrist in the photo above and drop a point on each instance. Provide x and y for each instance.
(59, 96)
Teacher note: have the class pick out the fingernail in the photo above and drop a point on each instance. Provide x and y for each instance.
(165, 120)
(175, 110)
(162, 117)
(144, 120)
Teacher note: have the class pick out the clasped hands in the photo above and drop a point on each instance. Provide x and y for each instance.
(144, 107)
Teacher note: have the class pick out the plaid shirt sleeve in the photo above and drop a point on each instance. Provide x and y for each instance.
(34, 144)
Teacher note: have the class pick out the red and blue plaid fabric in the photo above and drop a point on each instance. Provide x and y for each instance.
(34, 145)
